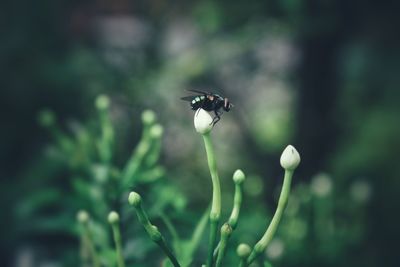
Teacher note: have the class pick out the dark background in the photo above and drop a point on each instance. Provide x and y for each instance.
(321, 75)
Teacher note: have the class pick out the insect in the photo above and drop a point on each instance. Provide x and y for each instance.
(210, 102)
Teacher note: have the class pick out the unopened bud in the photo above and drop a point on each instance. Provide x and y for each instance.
(102, 102)
(203, 121)
(113, 217)
(243, 250)
(82, 216)
(238, 177)
(290, 158)
(134, 199)
(148, 117)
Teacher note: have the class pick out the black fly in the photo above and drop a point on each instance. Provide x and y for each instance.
(209, 102)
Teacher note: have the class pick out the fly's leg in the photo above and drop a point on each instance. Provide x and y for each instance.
(201, 107)
(216, 118)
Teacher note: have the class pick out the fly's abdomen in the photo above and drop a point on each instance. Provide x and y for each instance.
(197, 102)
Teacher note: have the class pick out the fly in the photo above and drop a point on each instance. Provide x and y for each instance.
(210, 102)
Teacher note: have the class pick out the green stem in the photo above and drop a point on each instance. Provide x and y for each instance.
(152, 230)
(261, 245)
(237, 202)
(138, 154)
(215, 211)
(84, 251)
(243, 262)
(233, 218)
(171, 228)
(107, 137)
(226, 231)
(91, 246)
(118, 244)
(212, 241)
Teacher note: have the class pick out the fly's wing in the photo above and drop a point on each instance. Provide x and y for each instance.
(188, 98)
(199, 92)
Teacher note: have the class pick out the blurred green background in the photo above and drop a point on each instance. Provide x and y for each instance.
(321, 75)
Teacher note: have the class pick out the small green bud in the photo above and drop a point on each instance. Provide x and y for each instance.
(113, 217)
(226, 230)
(203, 121)
(46, 118)
(156, 131)
(102, 102)
(148, 117)
(82, 216)
(290, 158)
(155, 235)
(243, 250)
(238, 177)
(134, 199)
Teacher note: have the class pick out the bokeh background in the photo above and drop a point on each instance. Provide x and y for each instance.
(321, 75)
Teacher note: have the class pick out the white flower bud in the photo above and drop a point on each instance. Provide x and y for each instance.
(102, 102)
(290, 158)
(156, 131)
(113, 217)
(148, 117)
(82, 216)
(203, 121)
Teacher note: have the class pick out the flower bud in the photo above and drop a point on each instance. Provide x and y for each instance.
(113, 217)
(134, 199)
(243, 250)
(102, 102)
(82, 216)
(156, 131)
(148, 117)
(238, 177)
(226, 229)
(290, 158)
(203, 121)
(46, 118)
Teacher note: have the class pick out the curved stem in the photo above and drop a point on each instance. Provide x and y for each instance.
(237, 202)
(215, 211)
(155, 234)
(233, 218)
(269, 233)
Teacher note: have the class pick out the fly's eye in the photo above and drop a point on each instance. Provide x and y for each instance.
(227, 106)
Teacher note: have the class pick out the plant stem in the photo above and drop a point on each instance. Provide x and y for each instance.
(118, 244)
(268, 235)
(90, 245)
(84, 251)
(176, 243)
(243, 262)
(212, 241)
(215, 211)
(237, 202)
(154, 233)
(226, 231)
(233, 219)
